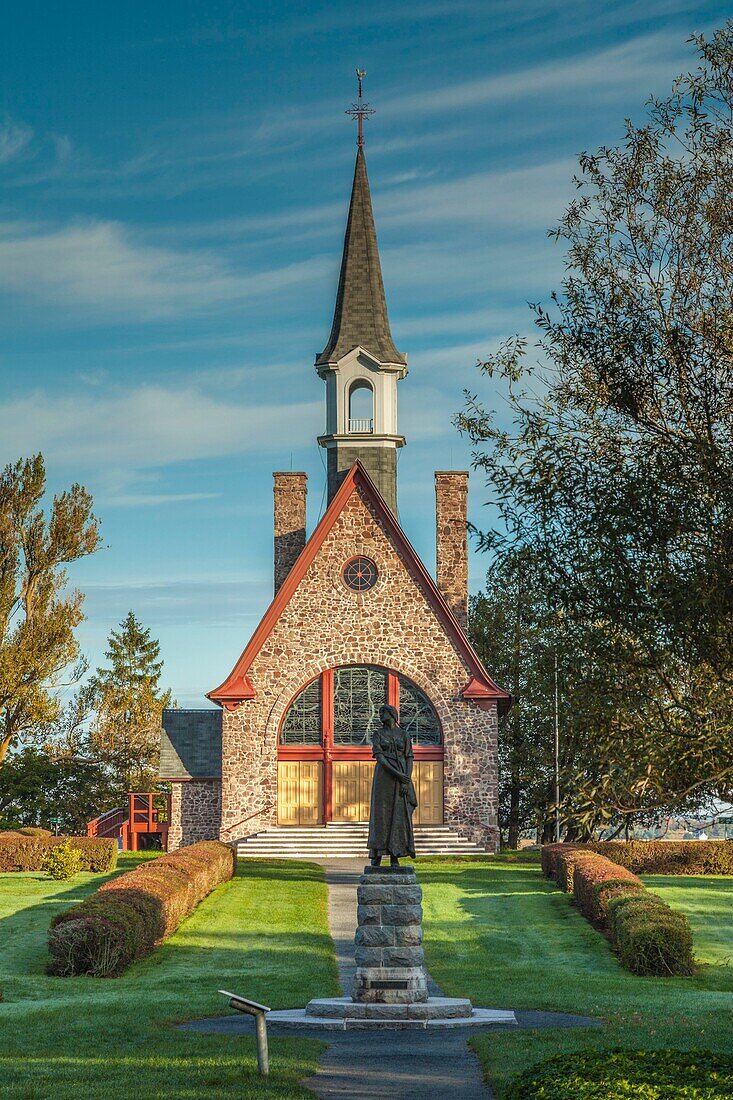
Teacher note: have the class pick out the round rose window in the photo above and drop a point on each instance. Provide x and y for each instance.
(360, 574)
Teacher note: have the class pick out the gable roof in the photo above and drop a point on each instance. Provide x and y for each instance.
(190, 744)
(360, 317)
(480, 687)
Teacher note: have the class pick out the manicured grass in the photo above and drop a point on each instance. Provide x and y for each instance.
(497, 931)
(264, 934)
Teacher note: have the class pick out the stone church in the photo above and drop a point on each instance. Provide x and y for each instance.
(356, 621)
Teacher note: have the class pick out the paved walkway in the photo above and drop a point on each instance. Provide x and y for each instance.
(401, 1065)
(385, 1065)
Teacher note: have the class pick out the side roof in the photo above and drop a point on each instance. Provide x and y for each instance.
(190, 744)
(480, 687)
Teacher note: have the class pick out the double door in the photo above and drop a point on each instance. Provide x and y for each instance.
(301, 785)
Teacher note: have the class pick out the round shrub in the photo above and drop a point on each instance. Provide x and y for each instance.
(32, 830)
(627, 1075)
(62, 862)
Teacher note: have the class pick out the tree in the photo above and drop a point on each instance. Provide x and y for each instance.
(37, 784)
(37, 615)
(128, 704)
(617, 467)
(511, 629)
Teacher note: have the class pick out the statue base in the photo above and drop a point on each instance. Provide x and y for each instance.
(388, 943)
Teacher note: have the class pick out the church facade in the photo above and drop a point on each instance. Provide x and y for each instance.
(356, 621)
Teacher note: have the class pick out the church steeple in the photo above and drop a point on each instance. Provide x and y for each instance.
(360, 317)
(360, 363)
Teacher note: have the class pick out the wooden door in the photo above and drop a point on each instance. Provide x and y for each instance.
(310, 792)
(428, 779)
(299, 792)
(352, 786)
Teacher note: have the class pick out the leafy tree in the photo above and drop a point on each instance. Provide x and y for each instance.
(128, 703)
(616, 470)
(37, 784)
(37, 615)
(511, 628)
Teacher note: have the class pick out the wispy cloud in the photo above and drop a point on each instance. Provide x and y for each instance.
(603, 74)
(15, 138)
(109, 271)
(148, 426)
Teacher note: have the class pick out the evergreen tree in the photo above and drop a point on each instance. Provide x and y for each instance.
(128, 702)
(37, 615)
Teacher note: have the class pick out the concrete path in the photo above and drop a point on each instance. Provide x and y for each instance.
(385, 1065)
(401, 1065)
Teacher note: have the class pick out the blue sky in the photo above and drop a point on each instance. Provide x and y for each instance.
(175, 179)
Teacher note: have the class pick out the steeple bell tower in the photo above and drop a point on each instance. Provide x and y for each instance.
(360, 364)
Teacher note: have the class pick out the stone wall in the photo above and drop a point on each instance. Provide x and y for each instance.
(195, 812)
(451, 540)
(290, 494)
(392, 625)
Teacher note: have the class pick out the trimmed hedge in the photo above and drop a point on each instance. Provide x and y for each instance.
(622, 1074)
(24, 852)
(130, 915)
(548, 857)
(565, 866)
(596, 880)
(650, 937)
(669, 857)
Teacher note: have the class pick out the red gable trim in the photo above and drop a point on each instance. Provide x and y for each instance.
(237, 687)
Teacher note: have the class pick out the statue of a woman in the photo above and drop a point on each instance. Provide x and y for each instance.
(393, 793)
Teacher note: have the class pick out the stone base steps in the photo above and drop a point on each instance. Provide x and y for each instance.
(335, 841)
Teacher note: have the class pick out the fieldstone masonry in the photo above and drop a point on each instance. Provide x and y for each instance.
(451, 541)
(325, 625)
(195, 812)
(290, 495)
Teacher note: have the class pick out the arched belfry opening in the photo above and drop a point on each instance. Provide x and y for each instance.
(361, 407)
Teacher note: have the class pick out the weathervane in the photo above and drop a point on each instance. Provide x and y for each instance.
(360, 110)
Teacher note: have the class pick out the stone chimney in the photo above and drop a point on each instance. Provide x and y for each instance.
(451, 540)
(290, 492)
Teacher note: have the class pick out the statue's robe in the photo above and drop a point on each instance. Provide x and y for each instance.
(390, 819)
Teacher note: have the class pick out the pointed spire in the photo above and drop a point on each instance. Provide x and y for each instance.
(360, 316)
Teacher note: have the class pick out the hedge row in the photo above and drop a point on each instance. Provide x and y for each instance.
(130, 915)
(654, 857)
(670, 857)
(650, 937)
(27, 850)
(643, 1074)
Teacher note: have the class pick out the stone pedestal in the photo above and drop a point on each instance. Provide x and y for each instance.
(390, 988)
(388, 943)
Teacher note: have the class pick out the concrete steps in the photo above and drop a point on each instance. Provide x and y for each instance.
(334, 841)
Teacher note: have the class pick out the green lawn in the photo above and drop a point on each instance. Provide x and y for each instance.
(263, 934)
(499, 932)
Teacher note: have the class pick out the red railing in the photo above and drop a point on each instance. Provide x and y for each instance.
(146, 813)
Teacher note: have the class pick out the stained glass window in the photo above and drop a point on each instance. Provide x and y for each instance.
(358, 693)
(417, 716)
(302, 722)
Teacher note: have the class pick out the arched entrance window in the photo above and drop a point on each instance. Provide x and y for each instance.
(325, 760)
(361, 407)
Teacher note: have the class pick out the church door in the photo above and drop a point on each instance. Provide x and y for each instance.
(325, 762)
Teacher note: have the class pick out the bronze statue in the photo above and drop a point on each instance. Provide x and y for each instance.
(393, 794)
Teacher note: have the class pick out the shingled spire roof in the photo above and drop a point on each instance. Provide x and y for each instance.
(360, 317)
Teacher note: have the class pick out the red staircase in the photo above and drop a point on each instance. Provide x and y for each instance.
(146, 815)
